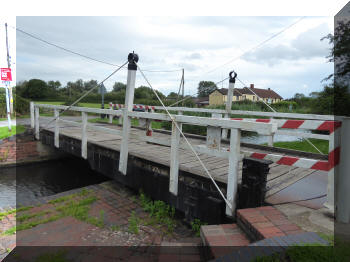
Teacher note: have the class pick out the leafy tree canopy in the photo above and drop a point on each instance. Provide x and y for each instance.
(205, 88)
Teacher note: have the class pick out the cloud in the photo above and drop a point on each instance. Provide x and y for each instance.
(193, 56)
(306, 45)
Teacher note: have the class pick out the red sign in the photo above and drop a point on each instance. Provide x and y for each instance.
(6, 74)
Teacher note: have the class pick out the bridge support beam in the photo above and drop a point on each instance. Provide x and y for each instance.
(129, 102)
(343, 181)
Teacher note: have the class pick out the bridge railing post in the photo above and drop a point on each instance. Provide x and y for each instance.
(32, 120)
(270, 138)
(214, 135)
(343, 177)
(110, 117)
(334, 143)
(84, 135)
(174, 158)
(129, 101)
(57, 128)
(232, 180)
(37, 127)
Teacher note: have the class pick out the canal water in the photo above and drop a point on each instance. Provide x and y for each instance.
(29, 182)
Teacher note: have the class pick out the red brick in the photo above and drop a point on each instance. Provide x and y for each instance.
(229, 226)
(270, 231)
(283, 221)
(274, 217)
(263, 225)
(257, 219)
(265, 208)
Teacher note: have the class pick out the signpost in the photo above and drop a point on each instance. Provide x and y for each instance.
(6, 78)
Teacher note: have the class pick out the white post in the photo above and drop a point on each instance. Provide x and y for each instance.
(32, 123)
(174, 158)
(110, 119)
(231, 87)
(129, 101)
(84, 135)
(343, 178)
(8, 106)
(224, 132)
(57, 128)
(37, 130)
(232, 182)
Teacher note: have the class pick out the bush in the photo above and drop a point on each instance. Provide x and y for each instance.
(21, 105)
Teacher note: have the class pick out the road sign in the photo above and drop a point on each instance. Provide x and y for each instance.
(6, 74)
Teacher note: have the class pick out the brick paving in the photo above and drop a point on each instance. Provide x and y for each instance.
(7, 242)
(114, 205)
(266, 222)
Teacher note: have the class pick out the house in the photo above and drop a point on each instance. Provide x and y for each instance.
(201, 101)
(219, 96)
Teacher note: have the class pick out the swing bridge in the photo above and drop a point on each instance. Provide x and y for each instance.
(166, 164)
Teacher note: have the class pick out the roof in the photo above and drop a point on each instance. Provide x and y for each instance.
(263, 93)
(200, 99)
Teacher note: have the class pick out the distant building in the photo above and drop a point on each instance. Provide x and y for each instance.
(219, 96)
(201, 101)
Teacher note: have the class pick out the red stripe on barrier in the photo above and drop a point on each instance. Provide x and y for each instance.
(293, 124)
(258, 155)
(236, 118)
(330, 126)
(287, 160)
(321, 165)
(334, 158)
(263, 120)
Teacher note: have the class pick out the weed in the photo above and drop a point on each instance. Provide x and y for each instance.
(196, 226)
(59, 256)
(10, 231)
(27, 216)
(134, 223)
(4, 214)
(115, 227)
(8, 250)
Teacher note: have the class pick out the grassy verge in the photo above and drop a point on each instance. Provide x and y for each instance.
(304, 145)
(4, 132)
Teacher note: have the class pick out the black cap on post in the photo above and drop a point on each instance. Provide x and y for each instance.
(132, 58)
(233, 79)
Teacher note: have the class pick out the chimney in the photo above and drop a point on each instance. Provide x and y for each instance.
(269, 88)
(251, 86)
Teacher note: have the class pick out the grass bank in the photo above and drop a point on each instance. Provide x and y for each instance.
(4, 131)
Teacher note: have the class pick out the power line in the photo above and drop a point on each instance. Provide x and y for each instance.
(82, 55)
(257, 46)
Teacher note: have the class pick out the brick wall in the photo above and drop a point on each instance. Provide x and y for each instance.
(23, 148)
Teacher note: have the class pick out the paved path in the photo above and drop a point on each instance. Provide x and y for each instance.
(115, 206)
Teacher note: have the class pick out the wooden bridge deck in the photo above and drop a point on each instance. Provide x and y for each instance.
(279, 177)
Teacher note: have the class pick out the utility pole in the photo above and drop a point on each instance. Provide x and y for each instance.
(183, 86)
(9, 66)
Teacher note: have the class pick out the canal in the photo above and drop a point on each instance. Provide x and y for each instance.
(22, 184)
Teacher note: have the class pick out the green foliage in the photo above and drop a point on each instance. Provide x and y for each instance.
(21, 105)
(196, 226)
(118, 86)
(205, 88)
(6, 213)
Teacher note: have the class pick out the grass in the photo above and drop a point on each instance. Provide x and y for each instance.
(4, 132)
(75, 205)
(59, 256)
(134, 222)
(303, 145)
(4, 214)
(312, 253)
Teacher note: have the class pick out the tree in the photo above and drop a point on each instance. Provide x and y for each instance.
(35, 89)
(340, 50)
(299, 96)
(205, 88)
(118, 86)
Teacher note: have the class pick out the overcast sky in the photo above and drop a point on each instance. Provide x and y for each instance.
(292, 62)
